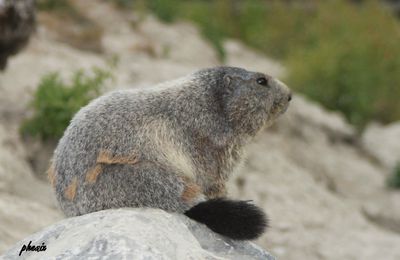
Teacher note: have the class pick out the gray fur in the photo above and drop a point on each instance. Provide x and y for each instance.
(191, 128)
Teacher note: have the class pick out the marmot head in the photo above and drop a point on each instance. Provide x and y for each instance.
(251, 100)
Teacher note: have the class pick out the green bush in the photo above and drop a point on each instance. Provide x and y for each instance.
(274, 27)
(351, 62)
(55, 102)
(394, 179)
(166, 10)
(49, 5)
(123, 3)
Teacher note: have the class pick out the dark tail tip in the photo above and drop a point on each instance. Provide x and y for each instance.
(239, 220)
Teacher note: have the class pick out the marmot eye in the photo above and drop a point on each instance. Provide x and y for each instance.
(262, 81)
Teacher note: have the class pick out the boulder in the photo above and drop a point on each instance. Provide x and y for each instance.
(134, 234)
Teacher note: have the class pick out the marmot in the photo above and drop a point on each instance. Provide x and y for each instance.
(172, 146)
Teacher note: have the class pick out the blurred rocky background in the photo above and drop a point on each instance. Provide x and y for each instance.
(327, 173)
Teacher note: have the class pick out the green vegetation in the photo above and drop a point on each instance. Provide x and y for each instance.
(394, 180)
(51, 5)
(351, 62)
(55, 101)
(123, 3)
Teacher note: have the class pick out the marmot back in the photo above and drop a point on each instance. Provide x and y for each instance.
(171, 147)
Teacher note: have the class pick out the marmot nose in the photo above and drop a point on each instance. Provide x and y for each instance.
(289, 97)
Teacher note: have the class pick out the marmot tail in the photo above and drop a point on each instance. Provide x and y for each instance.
(239, 220)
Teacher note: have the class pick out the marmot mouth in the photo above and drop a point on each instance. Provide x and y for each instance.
(279, 108)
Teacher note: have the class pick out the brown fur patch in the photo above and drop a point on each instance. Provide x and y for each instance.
(93, 173)
(107, 158)
(70, 191)
(191, 191)
(51, 175)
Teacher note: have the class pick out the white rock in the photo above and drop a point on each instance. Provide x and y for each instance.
(134, 234)
(383, 142)
(20, 217)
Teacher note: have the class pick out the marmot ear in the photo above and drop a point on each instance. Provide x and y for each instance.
(227, 80)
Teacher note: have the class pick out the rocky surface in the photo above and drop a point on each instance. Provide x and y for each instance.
(383, 143)
(134, 234)
(26, 203)
(321, 184)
